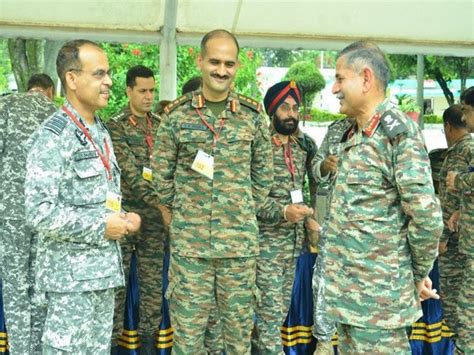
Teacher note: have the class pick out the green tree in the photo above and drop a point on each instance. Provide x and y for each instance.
(246, 81)
(441, 69)
(5, 67)
(309, 79)
(30, 56)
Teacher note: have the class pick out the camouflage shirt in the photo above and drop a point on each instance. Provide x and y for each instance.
(20, 115)
(455, 160)
(213, 218)
(132, 137)
(464, 183)
(279, 238)
(384, 224)
(66, 187)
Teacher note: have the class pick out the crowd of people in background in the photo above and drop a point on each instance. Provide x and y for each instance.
(215, 181)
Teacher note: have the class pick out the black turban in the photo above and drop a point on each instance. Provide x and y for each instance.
(278, 93)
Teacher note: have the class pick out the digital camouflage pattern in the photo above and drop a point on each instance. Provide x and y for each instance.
(374, 341)
(464, 183)
(451, 263)
(65, 189)
(20, 115)
(383, 226)
(280, 242)
(436, 162)
(129, 136)
(213, 219)
(324, 328)
(196, 281)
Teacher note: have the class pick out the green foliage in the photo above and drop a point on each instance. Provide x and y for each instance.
(246, 79)
(121, 58)
(324, 116)
(309, 79)
(187, 68)
(432, 119)
(5, 67)
(407, 103)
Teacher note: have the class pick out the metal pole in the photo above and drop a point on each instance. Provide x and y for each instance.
(420, 73)
(168, 50)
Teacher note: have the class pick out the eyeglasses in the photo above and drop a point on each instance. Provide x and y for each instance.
(286, 108)
(99, 74)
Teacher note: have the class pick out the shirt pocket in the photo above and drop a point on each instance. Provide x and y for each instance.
(92, 264)
(239, 149)
(191, 141)
(88, 183)
(367, 194)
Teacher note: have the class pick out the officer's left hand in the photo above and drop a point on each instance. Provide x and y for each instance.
(450, 180)
(134, 222)
(425, 290)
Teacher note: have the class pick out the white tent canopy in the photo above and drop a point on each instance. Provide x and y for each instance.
(442, 27)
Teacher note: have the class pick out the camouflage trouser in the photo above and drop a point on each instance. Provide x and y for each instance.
(275, 278)
(25, 312)
(78, 323)
(213, 339)
(465, 308)
(195, 283)
(362, 341)
(323, 328)
(451, 265)
(150, 252)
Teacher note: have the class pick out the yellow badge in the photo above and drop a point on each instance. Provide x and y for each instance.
(147, 174)
(113, 202)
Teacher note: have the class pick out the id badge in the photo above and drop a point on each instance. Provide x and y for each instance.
(147, 174)
(113, 202)
(204, 164)
(296, 196)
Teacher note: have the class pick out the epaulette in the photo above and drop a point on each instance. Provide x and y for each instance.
(250, 103)
(392, 124)
(57, 123)
(119, 115)
(178, 102)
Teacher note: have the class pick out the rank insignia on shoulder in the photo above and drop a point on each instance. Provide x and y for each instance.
(56, 124)
(250, 103)
(178, 102)
(392, 124)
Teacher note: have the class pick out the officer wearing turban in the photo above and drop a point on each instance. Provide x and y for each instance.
(282, 219)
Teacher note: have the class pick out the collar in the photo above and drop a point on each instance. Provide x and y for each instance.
(233, 105)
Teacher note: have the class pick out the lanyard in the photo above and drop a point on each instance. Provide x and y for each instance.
(216, 134)
(105, 158)
(288, 155)
(148, 132)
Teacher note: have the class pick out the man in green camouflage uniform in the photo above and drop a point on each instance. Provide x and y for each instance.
(325, 168)
(20, 115)
(133, 131)
(281, 220)
(72, 201)
(384, 221)
(451, 261)
(213, 174)
(463, 183)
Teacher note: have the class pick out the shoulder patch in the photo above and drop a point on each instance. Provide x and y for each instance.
(249, 102)
(178, 102)
(392, 124)
(56, 124)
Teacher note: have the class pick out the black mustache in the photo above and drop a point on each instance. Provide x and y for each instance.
(220, 76)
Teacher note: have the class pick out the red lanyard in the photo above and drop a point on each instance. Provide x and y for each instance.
(288, 155)
(216, 134)
(105, 158)
(148, 133)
